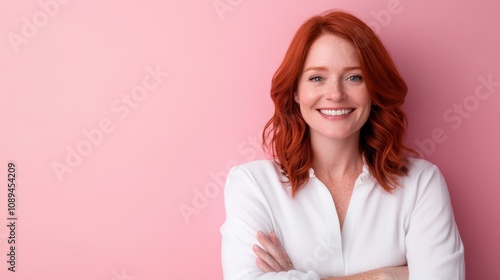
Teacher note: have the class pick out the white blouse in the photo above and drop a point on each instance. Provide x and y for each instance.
(413, 225)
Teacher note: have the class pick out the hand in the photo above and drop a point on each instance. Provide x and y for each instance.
(273, 257)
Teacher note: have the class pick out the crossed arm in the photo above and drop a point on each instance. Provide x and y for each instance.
(433, 245)
(273, 258)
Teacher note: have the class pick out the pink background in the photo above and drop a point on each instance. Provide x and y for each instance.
(68, 66)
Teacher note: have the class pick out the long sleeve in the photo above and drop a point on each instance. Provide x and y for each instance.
(247, 212)
(434, 247)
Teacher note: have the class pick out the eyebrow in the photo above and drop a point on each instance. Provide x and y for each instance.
(324, 68)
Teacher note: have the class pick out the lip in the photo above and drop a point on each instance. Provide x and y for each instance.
(339, 117)
(336, 108)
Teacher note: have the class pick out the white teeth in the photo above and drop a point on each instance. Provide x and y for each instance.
(336, 112)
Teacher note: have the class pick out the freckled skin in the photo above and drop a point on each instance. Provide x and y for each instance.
(341, 190)
(332, 80)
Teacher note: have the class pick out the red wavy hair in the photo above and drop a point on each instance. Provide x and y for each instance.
(286, 134)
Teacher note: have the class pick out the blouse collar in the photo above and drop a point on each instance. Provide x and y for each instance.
(365, 171)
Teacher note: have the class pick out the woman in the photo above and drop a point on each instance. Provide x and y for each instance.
(341, 199)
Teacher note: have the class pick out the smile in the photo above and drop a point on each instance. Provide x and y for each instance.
(336, 112)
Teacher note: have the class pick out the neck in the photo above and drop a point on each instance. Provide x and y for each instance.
(334, 158)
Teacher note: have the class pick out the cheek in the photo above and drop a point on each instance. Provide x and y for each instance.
(307, 97)
(368, 110)
(365, 99)
(306, 93)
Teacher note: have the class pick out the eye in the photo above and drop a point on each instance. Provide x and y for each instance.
(355, 78)
(316, 79)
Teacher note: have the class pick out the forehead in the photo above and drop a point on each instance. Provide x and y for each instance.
(329, 50)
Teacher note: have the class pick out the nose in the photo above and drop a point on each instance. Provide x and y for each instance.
(335, 91)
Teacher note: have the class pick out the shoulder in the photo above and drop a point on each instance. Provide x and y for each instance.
(420, 163)
(259, 178)
(424, 177)
(257, 169)
(261, 164)
(420, 167)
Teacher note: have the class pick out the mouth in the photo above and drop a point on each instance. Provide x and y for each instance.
(341, 112)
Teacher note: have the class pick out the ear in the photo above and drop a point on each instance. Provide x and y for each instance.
(296, 97)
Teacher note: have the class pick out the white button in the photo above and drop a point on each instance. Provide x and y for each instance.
(363, 178)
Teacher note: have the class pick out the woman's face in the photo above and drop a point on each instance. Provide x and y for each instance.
(332, 93)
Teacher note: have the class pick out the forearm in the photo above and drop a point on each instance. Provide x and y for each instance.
(370, 275)
(387, 273)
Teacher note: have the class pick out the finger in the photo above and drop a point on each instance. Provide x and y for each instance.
(271, 247)
(276, 251)
(266, 243)
(270, 263)
(273, 238)
(263, 266)
(284, 260)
